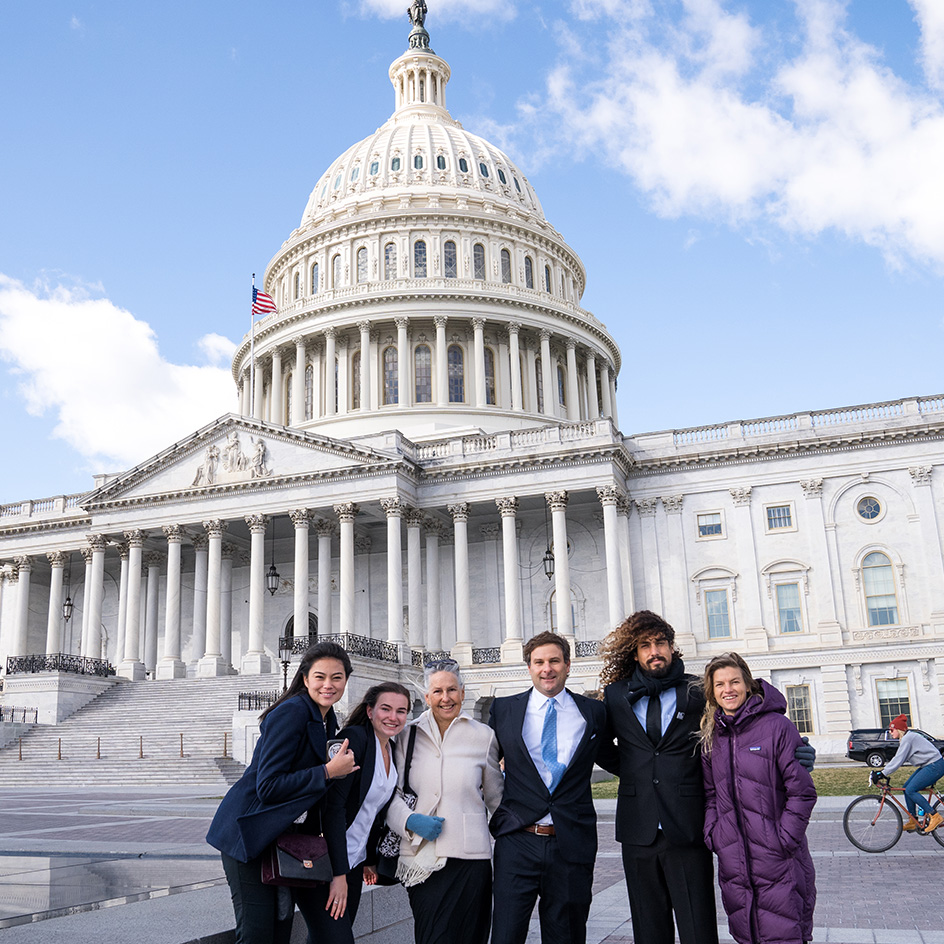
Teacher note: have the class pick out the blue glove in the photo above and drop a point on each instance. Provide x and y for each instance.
(427, 827)
(805, 754)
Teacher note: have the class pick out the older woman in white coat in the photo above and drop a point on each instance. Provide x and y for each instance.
(445, 850)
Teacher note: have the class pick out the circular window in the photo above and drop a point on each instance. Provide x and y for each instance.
(869, 508)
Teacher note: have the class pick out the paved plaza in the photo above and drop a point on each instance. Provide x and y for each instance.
(106, 866)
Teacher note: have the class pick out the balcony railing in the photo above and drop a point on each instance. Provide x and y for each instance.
(58, 662)
(256, 701)
(587, 648)
(16, 715)
(487, 656)
(354, 645)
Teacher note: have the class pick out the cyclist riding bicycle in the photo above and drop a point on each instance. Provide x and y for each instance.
(918, 751)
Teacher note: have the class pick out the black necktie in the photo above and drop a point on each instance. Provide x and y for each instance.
(654, 719)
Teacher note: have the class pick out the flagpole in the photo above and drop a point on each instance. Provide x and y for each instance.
(252, 355)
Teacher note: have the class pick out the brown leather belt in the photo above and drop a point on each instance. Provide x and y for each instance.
(539, 830)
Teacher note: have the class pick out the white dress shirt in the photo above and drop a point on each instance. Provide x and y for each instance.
(668, 701)
(380, 790)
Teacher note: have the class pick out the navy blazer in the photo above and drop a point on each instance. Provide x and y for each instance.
(285, 778)
(527, 799)
(347, 795)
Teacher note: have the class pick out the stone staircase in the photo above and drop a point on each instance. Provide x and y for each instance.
(134, 719)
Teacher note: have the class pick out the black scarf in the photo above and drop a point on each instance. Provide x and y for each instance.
(642, 683)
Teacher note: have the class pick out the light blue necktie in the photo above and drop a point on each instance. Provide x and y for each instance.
(549, 745)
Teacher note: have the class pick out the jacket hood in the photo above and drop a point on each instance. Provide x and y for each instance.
(769, 701)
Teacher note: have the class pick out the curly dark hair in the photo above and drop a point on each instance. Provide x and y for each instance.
(618, 650)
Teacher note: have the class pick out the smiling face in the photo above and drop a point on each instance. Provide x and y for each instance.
(444, 697)
(548, 669)
(389, 714)
(730, 689)
(654, 655)
(325, 681)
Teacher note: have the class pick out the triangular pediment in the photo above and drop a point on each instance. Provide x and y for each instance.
(236, 452)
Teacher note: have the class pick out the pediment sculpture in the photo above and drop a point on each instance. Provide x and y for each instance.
(231, 464)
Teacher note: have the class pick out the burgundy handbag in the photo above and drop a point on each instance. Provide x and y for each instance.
(297, 859)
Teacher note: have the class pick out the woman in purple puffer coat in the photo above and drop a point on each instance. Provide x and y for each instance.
(759, 800)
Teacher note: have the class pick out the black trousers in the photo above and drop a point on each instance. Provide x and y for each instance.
(663, 879)
(453, 906)
(264, 913)
(529, 868)
(322, 928)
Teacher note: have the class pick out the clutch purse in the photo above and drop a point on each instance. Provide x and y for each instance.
(299, 860)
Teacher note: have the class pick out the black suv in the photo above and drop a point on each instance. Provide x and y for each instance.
(877, 747)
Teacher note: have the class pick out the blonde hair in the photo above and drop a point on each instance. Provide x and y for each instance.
(727, 660)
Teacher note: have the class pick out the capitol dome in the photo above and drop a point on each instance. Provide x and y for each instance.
(423, 253)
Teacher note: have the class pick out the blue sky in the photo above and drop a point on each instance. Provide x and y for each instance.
(754, 188)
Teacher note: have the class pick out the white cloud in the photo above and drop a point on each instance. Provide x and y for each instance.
(711, 117)
(98, 369)
(76, 24)
(217, 349)
(444, 11)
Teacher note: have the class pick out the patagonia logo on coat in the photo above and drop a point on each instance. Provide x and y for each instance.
(754, 748)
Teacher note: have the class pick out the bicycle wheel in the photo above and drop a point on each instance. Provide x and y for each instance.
(871, 825)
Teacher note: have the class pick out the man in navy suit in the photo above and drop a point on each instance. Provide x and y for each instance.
(545, 829)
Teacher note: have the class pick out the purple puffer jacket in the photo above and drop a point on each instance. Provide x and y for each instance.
(759, 801)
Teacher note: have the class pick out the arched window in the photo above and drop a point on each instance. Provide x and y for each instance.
(528, 272)
(456, 370)
(362, 264)
(561, 385)
(463, 165)
(356, 381)
(298, 284)
(391, 375)
(419, 259)
(450, 260)
(423, 372)
(422, 90)
(390, 261)
(489, 376)
(539, 383)
(878, 581)
(478, 261)
(309, 392)
(314, 278)
(336, 271)
(441, 162)
(547, 279)
(506, 266)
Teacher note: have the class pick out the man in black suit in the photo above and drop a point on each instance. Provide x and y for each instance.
(545, 829)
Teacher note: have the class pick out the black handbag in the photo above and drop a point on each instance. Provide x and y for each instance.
(299, 860)
(388, 846)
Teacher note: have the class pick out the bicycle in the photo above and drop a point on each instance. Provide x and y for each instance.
(874, 823)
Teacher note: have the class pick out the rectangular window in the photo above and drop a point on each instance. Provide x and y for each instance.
(893, 699)
(788, 608)
(709, 525)
(716, 606)
(799, 707)
(779, 517)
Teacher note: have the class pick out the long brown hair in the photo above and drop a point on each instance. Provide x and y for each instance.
(320, 650)
(618, 650)
(727, 660)
(359, 714)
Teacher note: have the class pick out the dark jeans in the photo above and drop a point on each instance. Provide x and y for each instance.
(922, 778)
(322, 928)
(264, 913)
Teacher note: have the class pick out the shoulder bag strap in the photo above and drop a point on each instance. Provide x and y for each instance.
(409, 760)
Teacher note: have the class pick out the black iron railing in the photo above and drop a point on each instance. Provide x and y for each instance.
(486, 656)
(58, 662)
(19, 715)
(256, 701)
(587, 648)
(422, 659)
(355, 645)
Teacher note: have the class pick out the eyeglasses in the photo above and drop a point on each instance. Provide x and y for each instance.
(442, 665)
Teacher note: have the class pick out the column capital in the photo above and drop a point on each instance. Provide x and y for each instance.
(325, 528)
(200, 542)
(491, 531)
(362, 542)
(86, 553)
(96, 542)
(608, 495)
(173, 532)
(647, 506)
(331, 332)
(56, 558)
(414, 517)
(122, 548)
(459, 511)
(154, 558)
(299, 340)
(672, 504)
(557, 500)
(812, 488)
(393, 507)
(514, 327)
(440, 321)
(570, 344)
(507, 507)
(434, 527)
(363, 327)
(135, 538)
(257, 523)
(301, 517)
(402, 322)
(741, 495)
(215, 527)
(624, 505)
(478, 324)
(346, 511)
(229, 552)
(545, 334)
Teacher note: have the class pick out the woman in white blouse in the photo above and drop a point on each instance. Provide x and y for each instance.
(356, 808)
(445, 851)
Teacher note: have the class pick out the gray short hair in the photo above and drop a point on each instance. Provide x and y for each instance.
(441, 665)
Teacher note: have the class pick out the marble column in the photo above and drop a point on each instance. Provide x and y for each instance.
(478, 327)
(171, 666)
(404, 365)
(558, 502)
(573, 397)
(394, 511)
(298, 383)
(21, 625)
(259, 389)
(609, 496)
(277, 390)
(414, 568)
(153, 560)
(511, 647)
(626, 562)
(517, 403)
(93, 646)
(752, 630)
(330, 391)
(57, 560)
(346, 513)
(434, 530)
(301, 518)
(462, 651)
(592, 398)
(212, 664)
(198, 637)
(86, 599)
(548, 375)
(228, 554)
(122, 603)
(325, 530)
(317, 360)
(255, 661)
(614, 412)
(131, 666)
(605, 390)
(364, 328)
(441, 395)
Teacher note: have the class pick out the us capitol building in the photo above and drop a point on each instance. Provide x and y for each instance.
(425, 457)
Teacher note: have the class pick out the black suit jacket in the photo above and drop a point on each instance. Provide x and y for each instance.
(526, 798)
(346, 796)
(659, 783)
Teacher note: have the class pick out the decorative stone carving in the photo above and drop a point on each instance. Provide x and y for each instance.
(56, 558)
(215, 527)
(507, 507)
(925, 668)
(96, 542)
(153, 558)
(459, 511)
(490, 531)
(200, 541)
(325, 528)
(414, 517)
(812, 488)
(86, 553)
(257, 523)
(135, 538)
(229, 552)
(301, 517)
(233, 458)
(647, 507)
(257, 463)
(672, 504)
(557, 500)
(857, 678)
(392, 507)
(346, 511)
(624, 506)
(608, 494)
(206, 471)
(900, 632)
(362, 543)
(741, 495)
(173, 532)
(920, 474)
(435, 527)
(122, 548)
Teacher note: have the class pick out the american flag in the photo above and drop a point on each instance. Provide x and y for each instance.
(262, 304)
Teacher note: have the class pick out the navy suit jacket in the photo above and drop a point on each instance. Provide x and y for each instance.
(285, 778)
(527, 799)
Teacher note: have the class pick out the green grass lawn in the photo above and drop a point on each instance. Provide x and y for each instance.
(830, 781)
